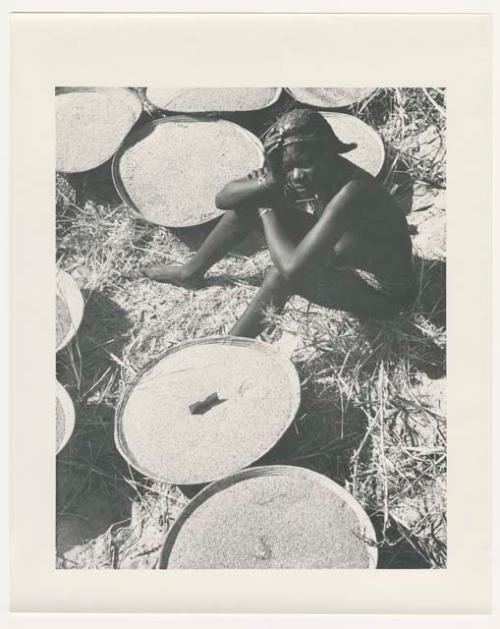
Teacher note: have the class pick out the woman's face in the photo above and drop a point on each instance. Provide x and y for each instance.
(306, 166)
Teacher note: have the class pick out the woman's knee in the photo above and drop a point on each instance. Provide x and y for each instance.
(232, 216)
(274, 279)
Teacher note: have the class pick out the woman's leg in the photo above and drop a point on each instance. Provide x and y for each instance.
(275, 289)
(344, 289)
(339, 290)
(231, 229)
(273, 294)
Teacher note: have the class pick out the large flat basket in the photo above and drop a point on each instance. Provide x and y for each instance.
(369, 153)
(212, 99)
(207, 408)
(170, 170)
(330, 97)
(271, 517)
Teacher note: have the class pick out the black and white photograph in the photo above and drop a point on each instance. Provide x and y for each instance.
(251, 328)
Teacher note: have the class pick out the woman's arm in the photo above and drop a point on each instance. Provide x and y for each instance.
(255, 190)
(289, 258)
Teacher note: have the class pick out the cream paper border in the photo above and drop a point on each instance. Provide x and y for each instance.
(380, 50)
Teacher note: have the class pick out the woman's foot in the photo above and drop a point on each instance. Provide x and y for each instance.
(179, 275)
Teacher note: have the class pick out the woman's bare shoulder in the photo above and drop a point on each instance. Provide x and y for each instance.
(356, 178)
(354, 187)
(361, 182)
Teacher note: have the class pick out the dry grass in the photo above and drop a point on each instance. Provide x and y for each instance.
(370, 416)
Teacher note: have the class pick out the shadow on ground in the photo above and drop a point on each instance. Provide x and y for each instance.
(92, 493)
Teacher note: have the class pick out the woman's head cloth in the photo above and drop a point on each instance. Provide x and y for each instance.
(306, 125)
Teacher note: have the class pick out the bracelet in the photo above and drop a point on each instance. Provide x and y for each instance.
(262, 179)
(264, 210)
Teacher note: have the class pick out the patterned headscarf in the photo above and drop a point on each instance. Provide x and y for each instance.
(306, 125)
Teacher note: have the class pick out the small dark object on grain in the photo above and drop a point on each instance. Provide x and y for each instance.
(197, 408)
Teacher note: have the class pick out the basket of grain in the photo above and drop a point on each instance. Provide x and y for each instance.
(369, 153)
(330, 97)
(65, 417)
(69, 308)
(271, 517)
(207, 408)
(170, 170)
(91, 123)
(212, 99)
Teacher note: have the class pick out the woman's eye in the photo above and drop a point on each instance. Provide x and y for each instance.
(300, 166)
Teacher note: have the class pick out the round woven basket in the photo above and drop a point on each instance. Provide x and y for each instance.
(91, 123)
(167, 428)
(65, 417)
(330, 97)
(369, 153)
(210, 99)
(69, 308)
(169, 171)
(271, 517)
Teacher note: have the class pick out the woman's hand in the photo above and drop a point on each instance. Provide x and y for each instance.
(272, 143)
(273, 140)
(264, 177)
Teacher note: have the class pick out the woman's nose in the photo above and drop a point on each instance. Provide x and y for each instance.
(297, 174)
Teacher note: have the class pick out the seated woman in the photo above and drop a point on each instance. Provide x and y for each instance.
(335, 235)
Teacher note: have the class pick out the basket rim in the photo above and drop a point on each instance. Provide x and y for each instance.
(69, 414)
(138, 134)
(286, 365)
(275, 98)
(218, 486)
(69, 291)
